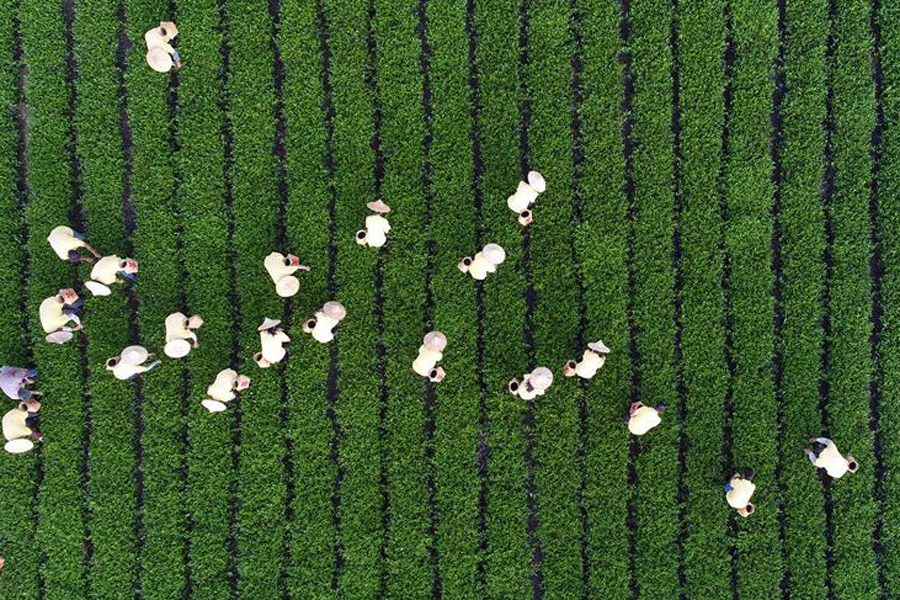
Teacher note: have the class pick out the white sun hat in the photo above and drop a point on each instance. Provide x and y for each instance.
(134, 355)
(541, 378)
(536, 181)
(599, 347)
(213, 406)
(177, 348)
(159, 60)
(287, 286)
(18, 446)
(97, 288)
(334, 310)
(494, 254)
(268, 324)
(435, 341)
(378, 206)
(59, 337)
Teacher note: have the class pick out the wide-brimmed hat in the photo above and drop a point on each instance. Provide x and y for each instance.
(378, 206)
(268, 324)
(536, 181)
(435, 340)
(287, 286)
(97, 288)
(134, 355)
(494, 254)
(213, 406)
(159, 60)
(18, 446)
(169, 26)
(334, 310)
(599, 347)
(59, 337)
(177, 348)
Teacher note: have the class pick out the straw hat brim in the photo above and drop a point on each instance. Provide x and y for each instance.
(18, 446)
(268, 324)
(599, 347)
(135, 355)
(159, 60)
(536, 181)
(378, 206)
(287, 286)
(59, 337)
(213, 406)
(177, 348)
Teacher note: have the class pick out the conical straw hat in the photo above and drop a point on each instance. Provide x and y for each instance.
(268, 324)
(599, 347)
(18, 446)
(536, 181)
(97, 288)
(159, 60)
(213, 406)
(135, 355)
(59, 337)
(378, 206)
(177, 348)
(287, 286)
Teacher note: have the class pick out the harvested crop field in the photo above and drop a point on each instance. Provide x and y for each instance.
(723, 179)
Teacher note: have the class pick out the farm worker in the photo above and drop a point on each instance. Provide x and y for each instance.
(13, 382)
(642, 418)
(273, 339)
(180, 337)
(19, 429)
(525, 196)
(224, 389)
(281, 269)
(323, 325)
(110, 270)
(430, 352)
(129, 363)
(160, 54)
(65, 242)
(484, 262)
(375, 233)
(56, 312)
(824, 454)
(739, 490)
(532, 384)
(591, 361)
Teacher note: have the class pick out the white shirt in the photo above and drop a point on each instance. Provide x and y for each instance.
(322, 331)
(62, 239)
(14, 426)
(222, 388)
(590, 363)
(52, 316)
(832, 461)
(740, 493)
(481, 266)
(376, 230)
(522, 199)
(643, 420)
(105, 270)
(176, 328)
(277, 269)
(155, 38)
(426, 360)
(272, 345)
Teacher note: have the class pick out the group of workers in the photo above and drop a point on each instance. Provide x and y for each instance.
(60, 318)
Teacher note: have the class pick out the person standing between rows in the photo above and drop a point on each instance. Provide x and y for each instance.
(739, 490)
(180, 336)
(824, 455)
(642, 419)
(110, 270)
(19, 427)
(273, 340)
(532, 384)
(484, 262)
(130, 363)
(324, 322)
(66, 242)
(13, 382)
(161, 56)
(377, 227)
(281, 269)
(430, 353)
(592, 360)
(224, 389)
(57, 311)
